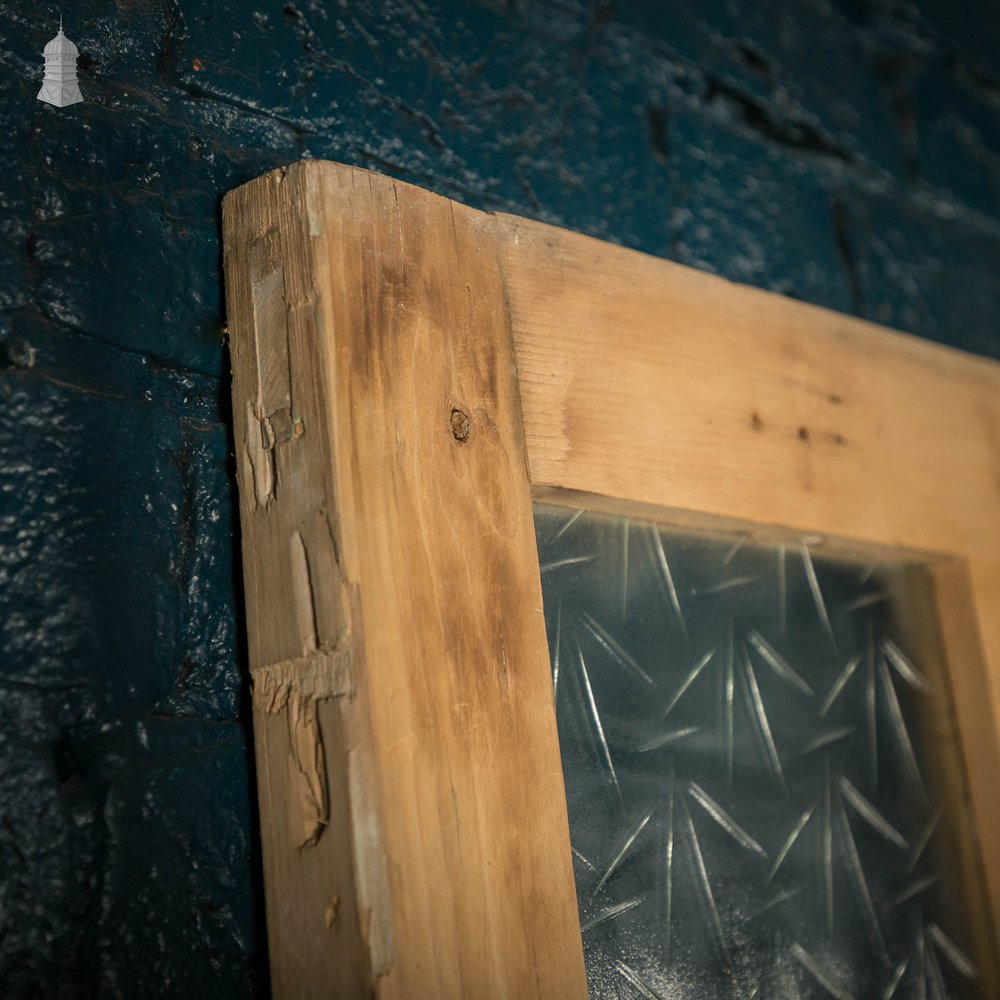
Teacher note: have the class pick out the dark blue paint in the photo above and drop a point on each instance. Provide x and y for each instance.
(840, 151)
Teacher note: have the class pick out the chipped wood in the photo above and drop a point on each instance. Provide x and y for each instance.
(301, 646)
(393, 598)
(322, 674)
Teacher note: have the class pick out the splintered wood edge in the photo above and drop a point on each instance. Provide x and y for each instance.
(328, 918)
(393, 599)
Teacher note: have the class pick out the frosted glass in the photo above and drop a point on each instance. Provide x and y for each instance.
(752, 807)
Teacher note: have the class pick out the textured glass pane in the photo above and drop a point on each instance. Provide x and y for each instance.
(753, 808)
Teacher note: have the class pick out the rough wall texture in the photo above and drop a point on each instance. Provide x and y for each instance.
(846, 152)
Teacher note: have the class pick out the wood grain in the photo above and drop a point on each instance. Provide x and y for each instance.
(394, 533)
(723, 399)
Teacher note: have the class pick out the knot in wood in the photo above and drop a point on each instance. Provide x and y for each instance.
(461, 425)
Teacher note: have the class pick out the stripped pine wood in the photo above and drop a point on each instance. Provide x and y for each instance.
(403, 367)
(401, 679)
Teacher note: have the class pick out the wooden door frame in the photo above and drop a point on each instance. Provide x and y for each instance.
(408, 372)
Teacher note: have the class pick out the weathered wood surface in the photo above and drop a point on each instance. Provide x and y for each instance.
(415, 833)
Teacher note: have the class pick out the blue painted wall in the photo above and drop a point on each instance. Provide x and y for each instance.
(846, 152)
